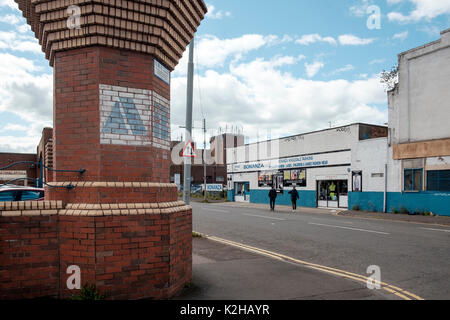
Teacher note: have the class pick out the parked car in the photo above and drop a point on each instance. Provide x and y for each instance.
(19, 193)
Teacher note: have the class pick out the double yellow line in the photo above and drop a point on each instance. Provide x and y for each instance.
(406, 295)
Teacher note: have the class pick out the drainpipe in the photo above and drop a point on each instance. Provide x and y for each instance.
(385, 188)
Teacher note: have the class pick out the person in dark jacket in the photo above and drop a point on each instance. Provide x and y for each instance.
(272, 196)
(294, 198)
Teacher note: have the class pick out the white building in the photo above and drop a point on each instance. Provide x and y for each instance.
(419, 130)
(322, 165)
(405, 168)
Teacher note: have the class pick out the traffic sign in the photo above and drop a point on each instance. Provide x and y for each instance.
(189, 151)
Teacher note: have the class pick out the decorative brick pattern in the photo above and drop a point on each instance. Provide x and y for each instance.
(114, 192)
(160, 28)
(111, 117)
(76, 143)
(125, 115)
(30, 205)
(128, 256)
(91, 184)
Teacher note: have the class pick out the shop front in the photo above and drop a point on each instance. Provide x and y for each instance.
(242, 191)
(321, 179)
(332, 193)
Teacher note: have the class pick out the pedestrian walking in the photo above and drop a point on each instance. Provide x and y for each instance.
(294, 198)
(272, 196)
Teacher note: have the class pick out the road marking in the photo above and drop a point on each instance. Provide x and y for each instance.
(442, 230)
(340, 227)
(401, 293)
(217, 210)
(254, 215)
(328, 220)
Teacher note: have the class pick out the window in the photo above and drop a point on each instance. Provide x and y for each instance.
(413, 179)
(438, 180)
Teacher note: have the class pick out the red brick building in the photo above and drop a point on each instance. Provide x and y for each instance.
(216, 172)
(118, 221)
(28, 172)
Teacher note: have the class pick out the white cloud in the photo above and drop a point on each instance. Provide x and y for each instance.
(313, 38)
(377, 61)
(24, 144)
(400, 36)
(10, 40)
(259, 96)
(210, 51)
(360, 9)
(352, 40)
(27, 95)
(313, 68)
(345, 68)
(213, 14)
(10, 19)
(13, 127)
(431, 31)
(8, 3)
(424, 10)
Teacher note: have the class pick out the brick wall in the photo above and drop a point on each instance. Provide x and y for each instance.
(129, 251)
(212, 173)
(45, 151)
(29, 265)
(86, 81)
(31, 171)
(112, 192)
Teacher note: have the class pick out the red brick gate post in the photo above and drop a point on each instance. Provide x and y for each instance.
(122, 223)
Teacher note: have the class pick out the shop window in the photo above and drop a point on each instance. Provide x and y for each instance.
(413, 179)
(295, 177)
(438, 180)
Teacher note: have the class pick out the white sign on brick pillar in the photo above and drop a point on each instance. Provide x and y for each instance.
(125, 116)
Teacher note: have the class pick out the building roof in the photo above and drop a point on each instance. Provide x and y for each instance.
(322, 130)
(425, 45)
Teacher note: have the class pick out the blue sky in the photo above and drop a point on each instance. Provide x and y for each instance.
(283, 67)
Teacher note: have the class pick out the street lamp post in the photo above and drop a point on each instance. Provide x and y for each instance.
(189, 102)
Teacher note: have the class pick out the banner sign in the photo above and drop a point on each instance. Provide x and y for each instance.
(319, 160)
(214, 187)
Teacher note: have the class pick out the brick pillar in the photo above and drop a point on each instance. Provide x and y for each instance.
(112, 118)
(121, 222)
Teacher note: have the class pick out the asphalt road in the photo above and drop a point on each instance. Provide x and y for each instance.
(414, 257)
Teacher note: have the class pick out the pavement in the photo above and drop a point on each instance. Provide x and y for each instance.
(252, 253)
(223, 272)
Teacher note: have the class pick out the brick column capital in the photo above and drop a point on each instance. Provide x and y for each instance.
(161, 28)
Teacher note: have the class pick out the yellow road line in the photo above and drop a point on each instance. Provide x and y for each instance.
(401, 293)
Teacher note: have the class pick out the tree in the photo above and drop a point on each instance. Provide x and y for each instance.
(389, 78)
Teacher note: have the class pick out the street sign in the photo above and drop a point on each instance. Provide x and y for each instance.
(189, 151)
(213, 187)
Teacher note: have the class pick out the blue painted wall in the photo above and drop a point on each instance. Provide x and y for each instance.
(436, 202)
(307, 198)
(367, 201)
(230, 195)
